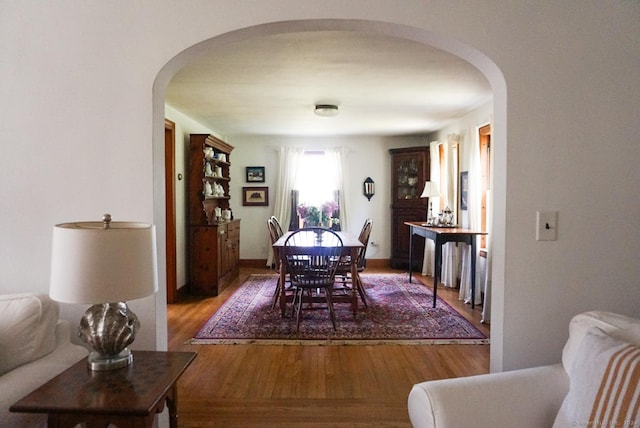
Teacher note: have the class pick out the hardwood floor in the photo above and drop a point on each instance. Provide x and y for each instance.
(308, 386)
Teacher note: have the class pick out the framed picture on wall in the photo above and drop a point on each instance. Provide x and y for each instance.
(255, 174)
(255, 196)
(464, 190)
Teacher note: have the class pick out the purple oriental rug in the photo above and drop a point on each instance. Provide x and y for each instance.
(398, 313)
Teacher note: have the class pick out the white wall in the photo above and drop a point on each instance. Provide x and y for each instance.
(82, 107)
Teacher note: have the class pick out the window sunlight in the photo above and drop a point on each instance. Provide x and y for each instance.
(317, 179)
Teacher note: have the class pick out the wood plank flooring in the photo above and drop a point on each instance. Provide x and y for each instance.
(308, 386)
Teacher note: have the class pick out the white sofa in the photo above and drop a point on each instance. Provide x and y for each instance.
(34, 347)
(560, 395)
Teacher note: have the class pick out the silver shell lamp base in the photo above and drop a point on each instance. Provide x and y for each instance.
(109, 328)
(98, 362)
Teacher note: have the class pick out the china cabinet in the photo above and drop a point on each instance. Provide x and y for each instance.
(213, 235)
(409, 171)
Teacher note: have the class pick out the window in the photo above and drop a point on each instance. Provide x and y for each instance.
(484, 136)
(448, 175)
(317, 187)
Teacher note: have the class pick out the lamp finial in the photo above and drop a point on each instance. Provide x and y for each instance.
(106, 220)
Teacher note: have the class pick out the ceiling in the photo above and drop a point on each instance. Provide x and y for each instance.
(381, 85)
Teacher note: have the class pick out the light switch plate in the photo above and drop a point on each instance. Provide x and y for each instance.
(547, 226)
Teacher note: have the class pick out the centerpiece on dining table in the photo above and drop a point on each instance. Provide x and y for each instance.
(325, 216)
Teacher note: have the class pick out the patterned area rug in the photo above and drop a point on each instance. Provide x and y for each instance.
(398, 313)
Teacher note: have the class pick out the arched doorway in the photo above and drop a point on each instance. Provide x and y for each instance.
(469, 54)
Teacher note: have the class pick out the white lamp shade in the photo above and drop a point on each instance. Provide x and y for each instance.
(430, 190)
(91, 264)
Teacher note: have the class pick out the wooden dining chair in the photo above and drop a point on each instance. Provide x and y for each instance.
(344, 269)
(277, 225)
(275, 233)
(312, 256)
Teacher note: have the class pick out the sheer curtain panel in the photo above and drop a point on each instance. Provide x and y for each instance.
(288, 161)
(428, 260)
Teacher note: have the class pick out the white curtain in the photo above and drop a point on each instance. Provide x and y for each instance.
(474, 212)
(434, 176)
(450, 259)
(288, 161)
(338, 157)
(486, 308)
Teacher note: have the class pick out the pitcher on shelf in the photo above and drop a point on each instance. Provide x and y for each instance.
(208, 190)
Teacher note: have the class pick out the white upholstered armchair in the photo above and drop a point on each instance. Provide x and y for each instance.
(596, 385)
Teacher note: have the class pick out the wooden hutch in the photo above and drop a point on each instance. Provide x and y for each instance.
(409, 172)
(213, 240)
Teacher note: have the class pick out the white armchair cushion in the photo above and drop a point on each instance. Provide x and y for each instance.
(618, 326)
(527, 398)
(604, 386)
(27, 328)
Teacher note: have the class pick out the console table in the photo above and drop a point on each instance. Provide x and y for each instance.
(442, 235)
(126, 397)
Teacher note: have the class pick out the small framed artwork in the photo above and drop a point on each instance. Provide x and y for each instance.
(255, 174)
(255, 196)
(464, 190)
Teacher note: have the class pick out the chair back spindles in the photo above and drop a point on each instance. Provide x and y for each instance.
(365, 233)
(276, 224)
(312, 256)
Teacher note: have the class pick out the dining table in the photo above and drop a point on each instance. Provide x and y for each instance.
(350, 247)
(440, 236)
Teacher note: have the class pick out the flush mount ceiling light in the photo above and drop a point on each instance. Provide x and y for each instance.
(326, 110)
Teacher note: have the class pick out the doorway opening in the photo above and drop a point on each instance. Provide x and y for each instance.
(170, 209)
(486, 66)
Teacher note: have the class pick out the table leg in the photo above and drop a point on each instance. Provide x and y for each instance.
(354, 279)
(53, 420)
(473, 272)
(437, 266)
(172, 406)
(410, 251)
(283, 290)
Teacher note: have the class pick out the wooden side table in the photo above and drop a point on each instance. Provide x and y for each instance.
(126, 397)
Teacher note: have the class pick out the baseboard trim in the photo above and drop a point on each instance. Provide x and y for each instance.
(254, 263)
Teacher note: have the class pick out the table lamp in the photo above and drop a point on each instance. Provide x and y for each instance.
(430, 191)
(104, 264)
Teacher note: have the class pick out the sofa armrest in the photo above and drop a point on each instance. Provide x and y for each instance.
(520, 398)
(63, 332)
(22, 380)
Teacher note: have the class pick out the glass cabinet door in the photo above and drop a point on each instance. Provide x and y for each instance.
(408, 179)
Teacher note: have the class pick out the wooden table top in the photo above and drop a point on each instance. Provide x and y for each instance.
(349, 240)
(132, 390)
(445, 230)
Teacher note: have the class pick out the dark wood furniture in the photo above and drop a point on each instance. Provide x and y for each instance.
(312, 257)
(344, 269)
(442, 235)
(409, 172)
(214, 257)
(350, 247)
(213, 242)
(126, 397)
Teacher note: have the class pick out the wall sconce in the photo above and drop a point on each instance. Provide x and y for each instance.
(369, 188)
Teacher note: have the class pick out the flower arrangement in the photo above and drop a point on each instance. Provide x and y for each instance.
(328, 208)
(313, 216)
